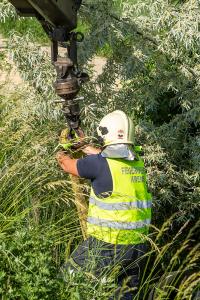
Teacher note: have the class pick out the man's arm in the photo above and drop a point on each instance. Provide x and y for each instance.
(88, 150)
(69, 165)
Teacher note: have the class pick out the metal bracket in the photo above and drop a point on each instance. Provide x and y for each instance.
(69, 78)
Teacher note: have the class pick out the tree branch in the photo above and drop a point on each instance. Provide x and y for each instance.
(144, 36)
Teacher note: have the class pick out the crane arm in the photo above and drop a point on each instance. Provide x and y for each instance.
(56, 13)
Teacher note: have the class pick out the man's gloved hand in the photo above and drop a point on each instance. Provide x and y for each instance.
(64, 140)
(71, 139)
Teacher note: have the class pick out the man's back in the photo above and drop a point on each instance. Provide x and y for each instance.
(120, 215)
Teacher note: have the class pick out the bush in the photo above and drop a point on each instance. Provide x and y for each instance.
(28, 269)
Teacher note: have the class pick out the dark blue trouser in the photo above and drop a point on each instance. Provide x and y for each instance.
(100, 258)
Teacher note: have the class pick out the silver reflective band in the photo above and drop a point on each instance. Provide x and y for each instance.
(142, 204)
(118, 225)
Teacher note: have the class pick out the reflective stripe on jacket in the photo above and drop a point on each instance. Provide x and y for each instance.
(124, 216)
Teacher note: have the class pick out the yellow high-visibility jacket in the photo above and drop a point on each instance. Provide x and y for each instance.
(125, 215)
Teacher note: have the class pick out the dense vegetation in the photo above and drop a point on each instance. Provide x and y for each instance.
(152, 73)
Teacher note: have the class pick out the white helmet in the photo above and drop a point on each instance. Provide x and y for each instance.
(116, 128)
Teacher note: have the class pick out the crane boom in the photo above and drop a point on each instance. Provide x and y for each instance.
(57, 13)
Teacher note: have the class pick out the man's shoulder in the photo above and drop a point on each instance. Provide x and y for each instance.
(93, 157)
(90, 166)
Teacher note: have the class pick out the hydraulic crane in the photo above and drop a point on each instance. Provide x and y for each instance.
(59, 19)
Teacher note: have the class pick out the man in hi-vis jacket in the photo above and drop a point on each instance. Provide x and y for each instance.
(119, 206)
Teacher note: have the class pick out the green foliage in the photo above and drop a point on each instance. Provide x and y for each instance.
(27, 267)
(152, 73)
(23, 26)
(9, 21)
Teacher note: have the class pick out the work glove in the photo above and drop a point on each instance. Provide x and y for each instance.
(70, 139)
(65, 140)
(138, 149)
